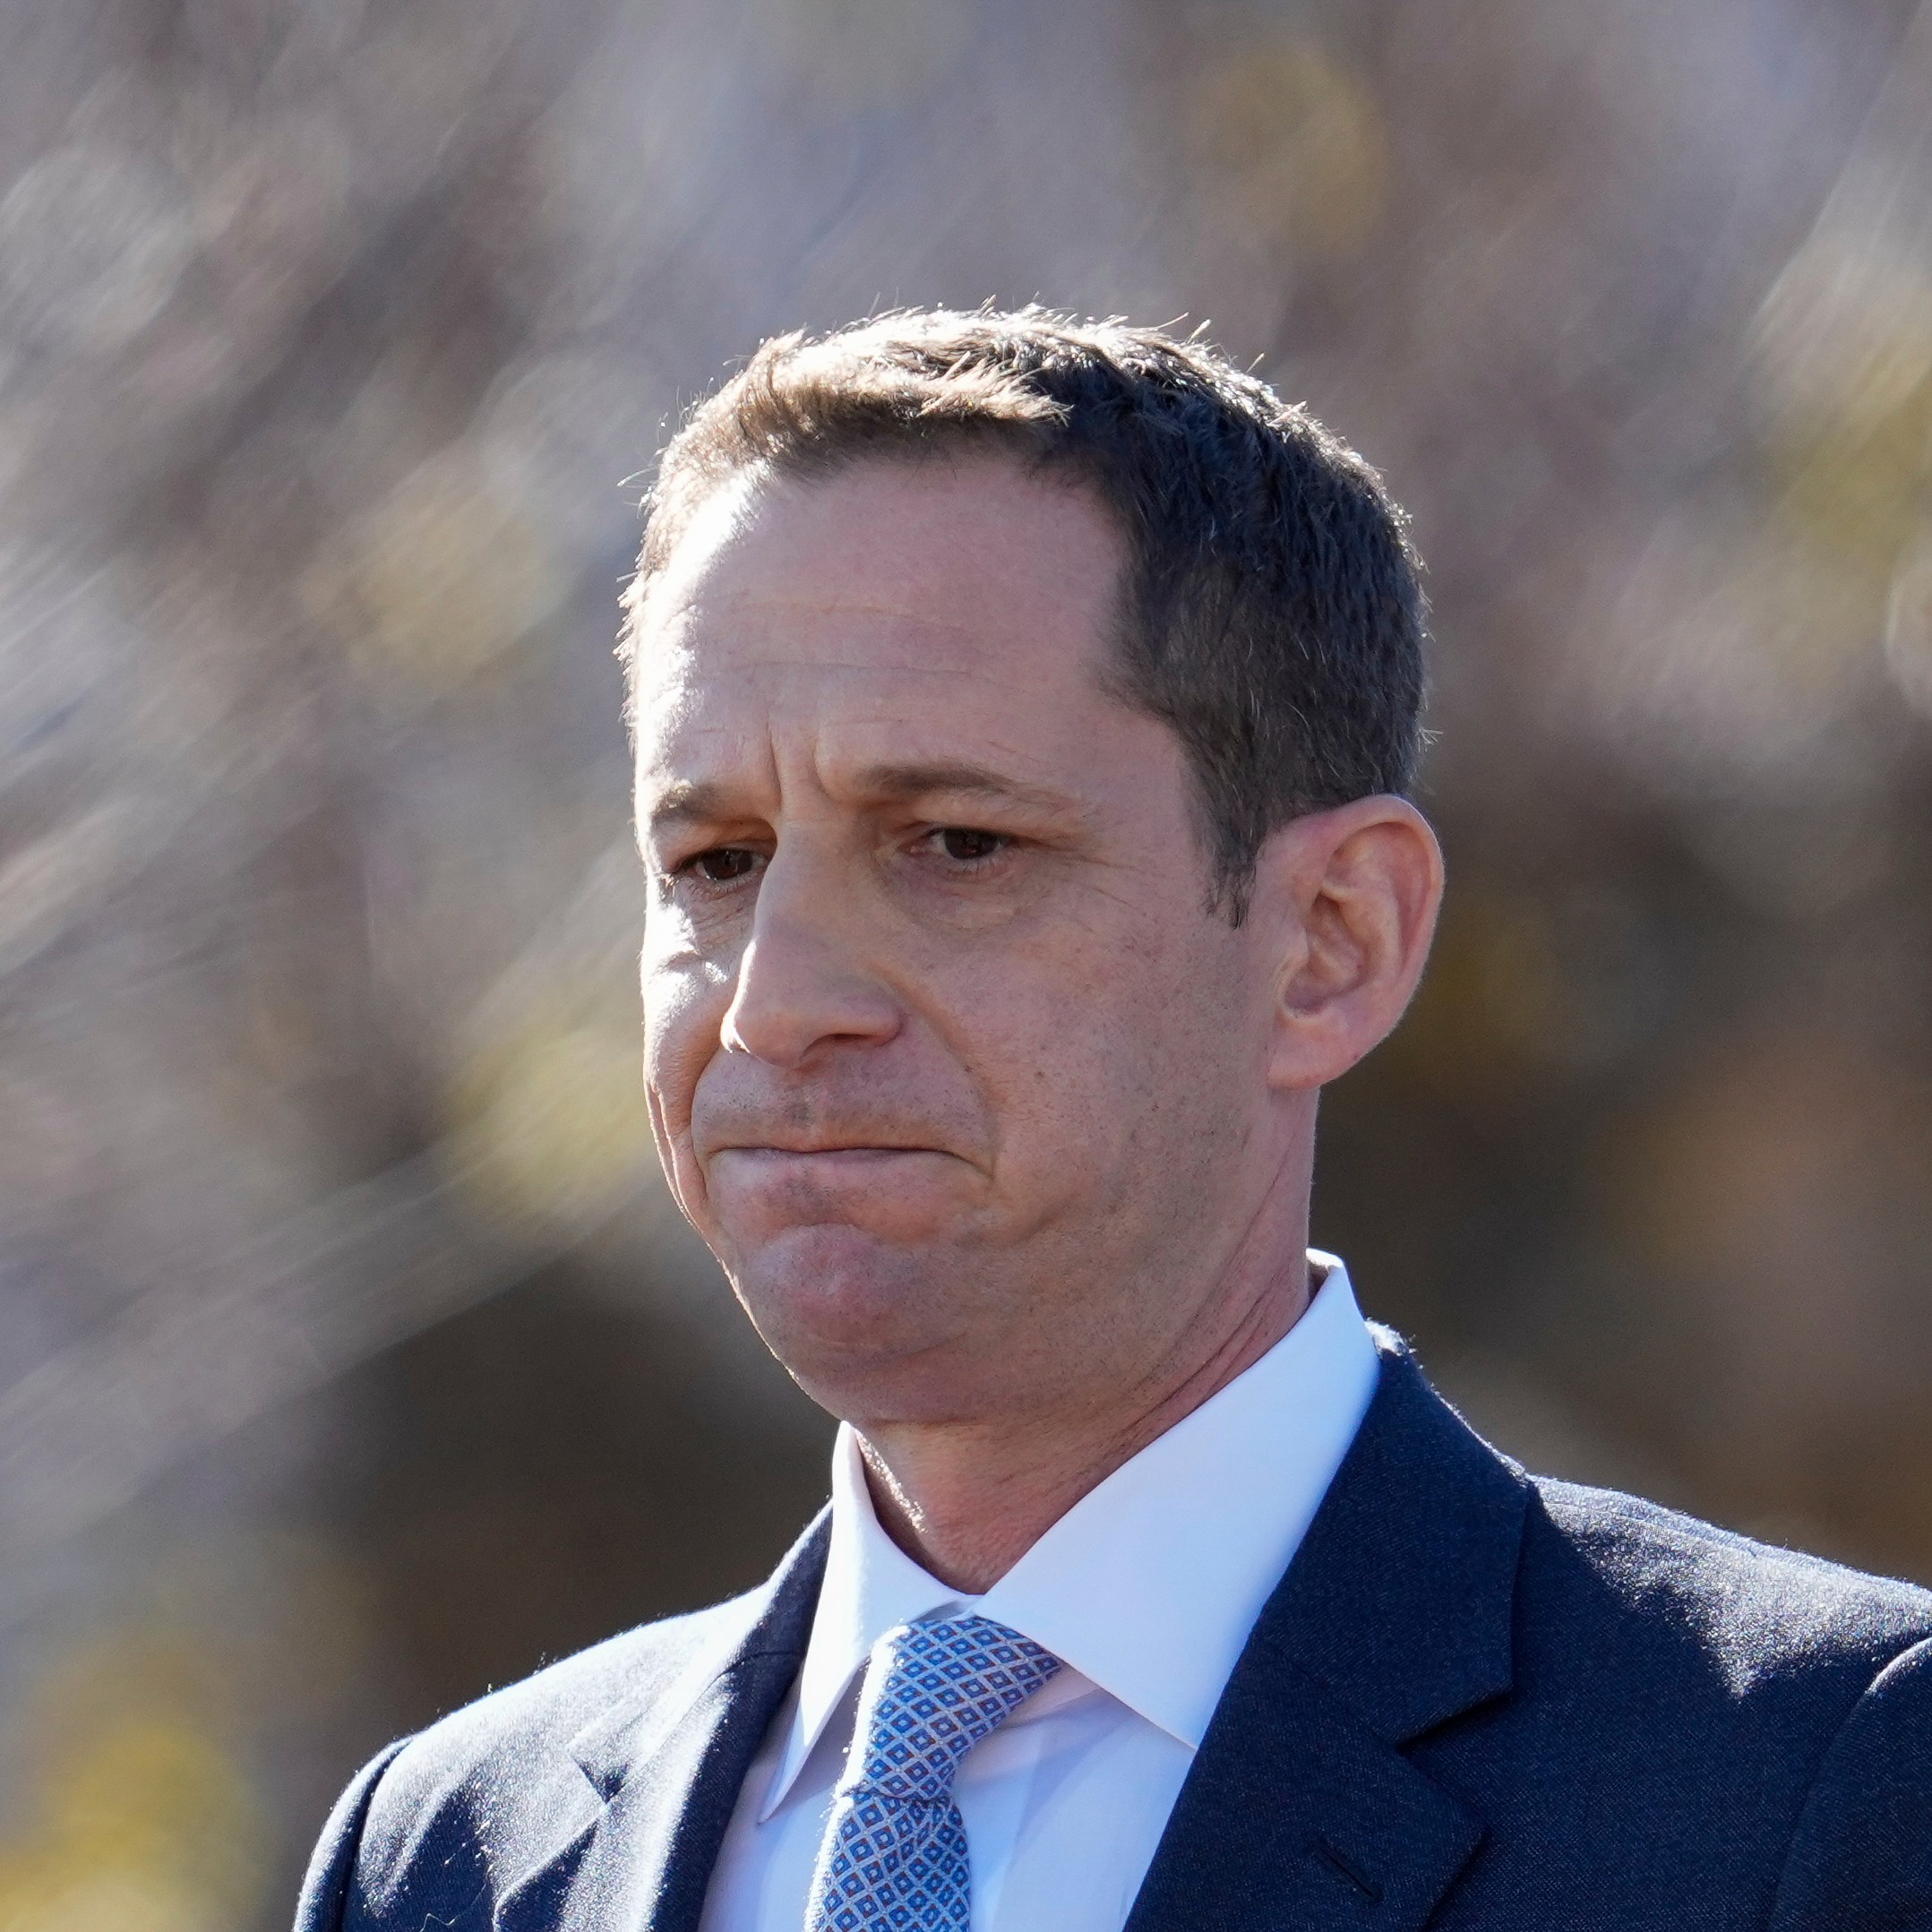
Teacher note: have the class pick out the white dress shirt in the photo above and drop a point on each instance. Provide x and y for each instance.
(1146, 1590)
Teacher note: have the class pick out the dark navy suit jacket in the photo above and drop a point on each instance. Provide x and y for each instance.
(1477, 1699)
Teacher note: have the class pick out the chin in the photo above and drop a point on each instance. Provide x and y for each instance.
(838, 1305)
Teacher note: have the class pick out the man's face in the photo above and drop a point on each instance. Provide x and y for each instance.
(949, 1059)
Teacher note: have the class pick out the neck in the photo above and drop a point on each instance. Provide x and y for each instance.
(966, 1499)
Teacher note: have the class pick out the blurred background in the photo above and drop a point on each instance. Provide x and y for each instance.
(350, 1361)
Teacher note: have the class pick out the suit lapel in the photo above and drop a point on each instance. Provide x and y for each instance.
(668, 1768)
(1302, 1808)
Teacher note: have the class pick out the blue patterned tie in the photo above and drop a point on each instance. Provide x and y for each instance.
(894, 1858)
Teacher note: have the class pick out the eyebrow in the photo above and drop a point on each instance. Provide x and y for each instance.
(696, 801)
(900, 783)
(684, 802)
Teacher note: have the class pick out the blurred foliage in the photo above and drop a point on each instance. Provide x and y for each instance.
(352, 1359)
(145, 1821)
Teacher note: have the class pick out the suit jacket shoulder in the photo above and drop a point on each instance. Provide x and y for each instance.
(1747, 1720)
(500, 1772)
(439, 1828)
(1784, 1701)
(1761, 1623)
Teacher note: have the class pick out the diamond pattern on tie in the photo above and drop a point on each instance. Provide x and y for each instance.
(894, 1858)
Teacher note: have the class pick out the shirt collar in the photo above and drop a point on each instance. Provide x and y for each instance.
(1150, 1583)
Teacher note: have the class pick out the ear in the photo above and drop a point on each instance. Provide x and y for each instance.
(1348, 899)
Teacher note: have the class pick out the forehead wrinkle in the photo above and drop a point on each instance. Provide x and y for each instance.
(680, 696)
(676, 798)
(989, 764)
(865, 668)
(780, 699)
(902, 783)
(905, 600)
(696, 672)
(839, 604)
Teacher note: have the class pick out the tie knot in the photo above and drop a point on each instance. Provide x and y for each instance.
(933, 1691)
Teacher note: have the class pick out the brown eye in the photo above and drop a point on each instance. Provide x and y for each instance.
(721, 865)
(962, 843)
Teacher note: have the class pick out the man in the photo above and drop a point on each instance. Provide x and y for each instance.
(1024, 713)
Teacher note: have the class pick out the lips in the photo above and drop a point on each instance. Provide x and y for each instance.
(813, 1147)
(809, 1138)
(738, 1112)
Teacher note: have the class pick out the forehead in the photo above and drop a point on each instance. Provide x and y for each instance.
(950, 599)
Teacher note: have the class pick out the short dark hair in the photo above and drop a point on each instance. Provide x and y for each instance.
(1271, 612)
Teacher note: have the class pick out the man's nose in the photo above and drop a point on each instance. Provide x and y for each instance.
(800, 986)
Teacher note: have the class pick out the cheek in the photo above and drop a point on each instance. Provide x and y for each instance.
(683, 1010)
(1109, 1044)
(1064, 1053)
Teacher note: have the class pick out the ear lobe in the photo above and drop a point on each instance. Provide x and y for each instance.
(1355, 892)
